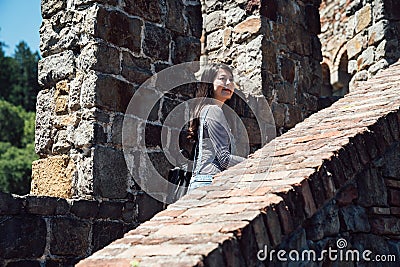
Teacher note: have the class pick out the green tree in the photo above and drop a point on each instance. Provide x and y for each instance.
(11, 124)
(7, 73)
(16, 169)
(25, 88)
(17, 131)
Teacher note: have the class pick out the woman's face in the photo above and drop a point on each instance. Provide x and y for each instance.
(223, 85)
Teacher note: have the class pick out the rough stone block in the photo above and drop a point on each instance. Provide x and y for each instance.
(153, 37)
(193, 12)
(377, 32)
(232, 253)
(378, 66)
(135, 69)
(248, 246)
(129, 212)
(187, 49)
(387, 49)
(104, 233)
(287, 69)
(53, 176)
(234, 16)
(108, 182)
(293, 116)
(10, 205)
(385, 226)
(215, 20)
(55, 68)
(22, 237)
(44, 136)
(46, 205)
(175, 20)
(84, 135)
(69, 237)
(23, 263)
(153, 135)
(161, 164)
(347, 195)
(50, 7)
(363, 18)
(86, 2)
(325, 222)
(147, 206)
(110, 210)
(61, 106)
(370, 181)
(106, 92)
(147, 9)
(99, 57)
(393, 9)
(394, 197)
(119, 29)
(85, 209)
(354, 219)
(366, 59)
(215, 40)
(391, 168)
(355, 46)
(274, 227)
(312, 19)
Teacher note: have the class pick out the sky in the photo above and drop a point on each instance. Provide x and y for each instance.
(20, 20)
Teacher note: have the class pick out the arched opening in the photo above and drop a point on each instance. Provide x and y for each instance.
(326, 89)
(342, 79)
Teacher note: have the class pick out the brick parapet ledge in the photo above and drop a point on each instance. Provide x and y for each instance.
(264, 199)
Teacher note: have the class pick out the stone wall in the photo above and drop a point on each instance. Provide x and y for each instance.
(335, 175)
(95, 56)
(358, 39)
(274, 49)
(364, 212)
(47, 231)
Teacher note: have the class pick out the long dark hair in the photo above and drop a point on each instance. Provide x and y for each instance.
(204, 91)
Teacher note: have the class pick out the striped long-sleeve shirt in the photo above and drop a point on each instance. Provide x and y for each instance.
(217, 138)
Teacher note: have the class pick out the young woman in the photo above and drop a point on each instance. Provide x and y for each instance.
(209, 126)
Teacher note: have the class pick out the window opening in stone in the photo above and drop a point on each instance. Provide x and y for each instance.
(341, 84)
(326, 89)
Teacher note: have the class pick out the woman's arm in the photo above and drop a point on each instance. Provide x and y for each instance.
(218, 129)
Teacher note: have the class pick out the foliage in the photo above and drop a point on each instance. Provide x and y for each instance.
(11, 124)
(18, 91)
(18, 76)
(16, 168)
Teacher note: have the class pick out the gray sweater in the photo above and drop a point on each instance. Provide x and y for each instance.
(217, 142)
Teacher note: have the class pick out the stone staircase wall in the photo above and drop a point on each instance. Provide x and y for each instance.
(335, 175)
